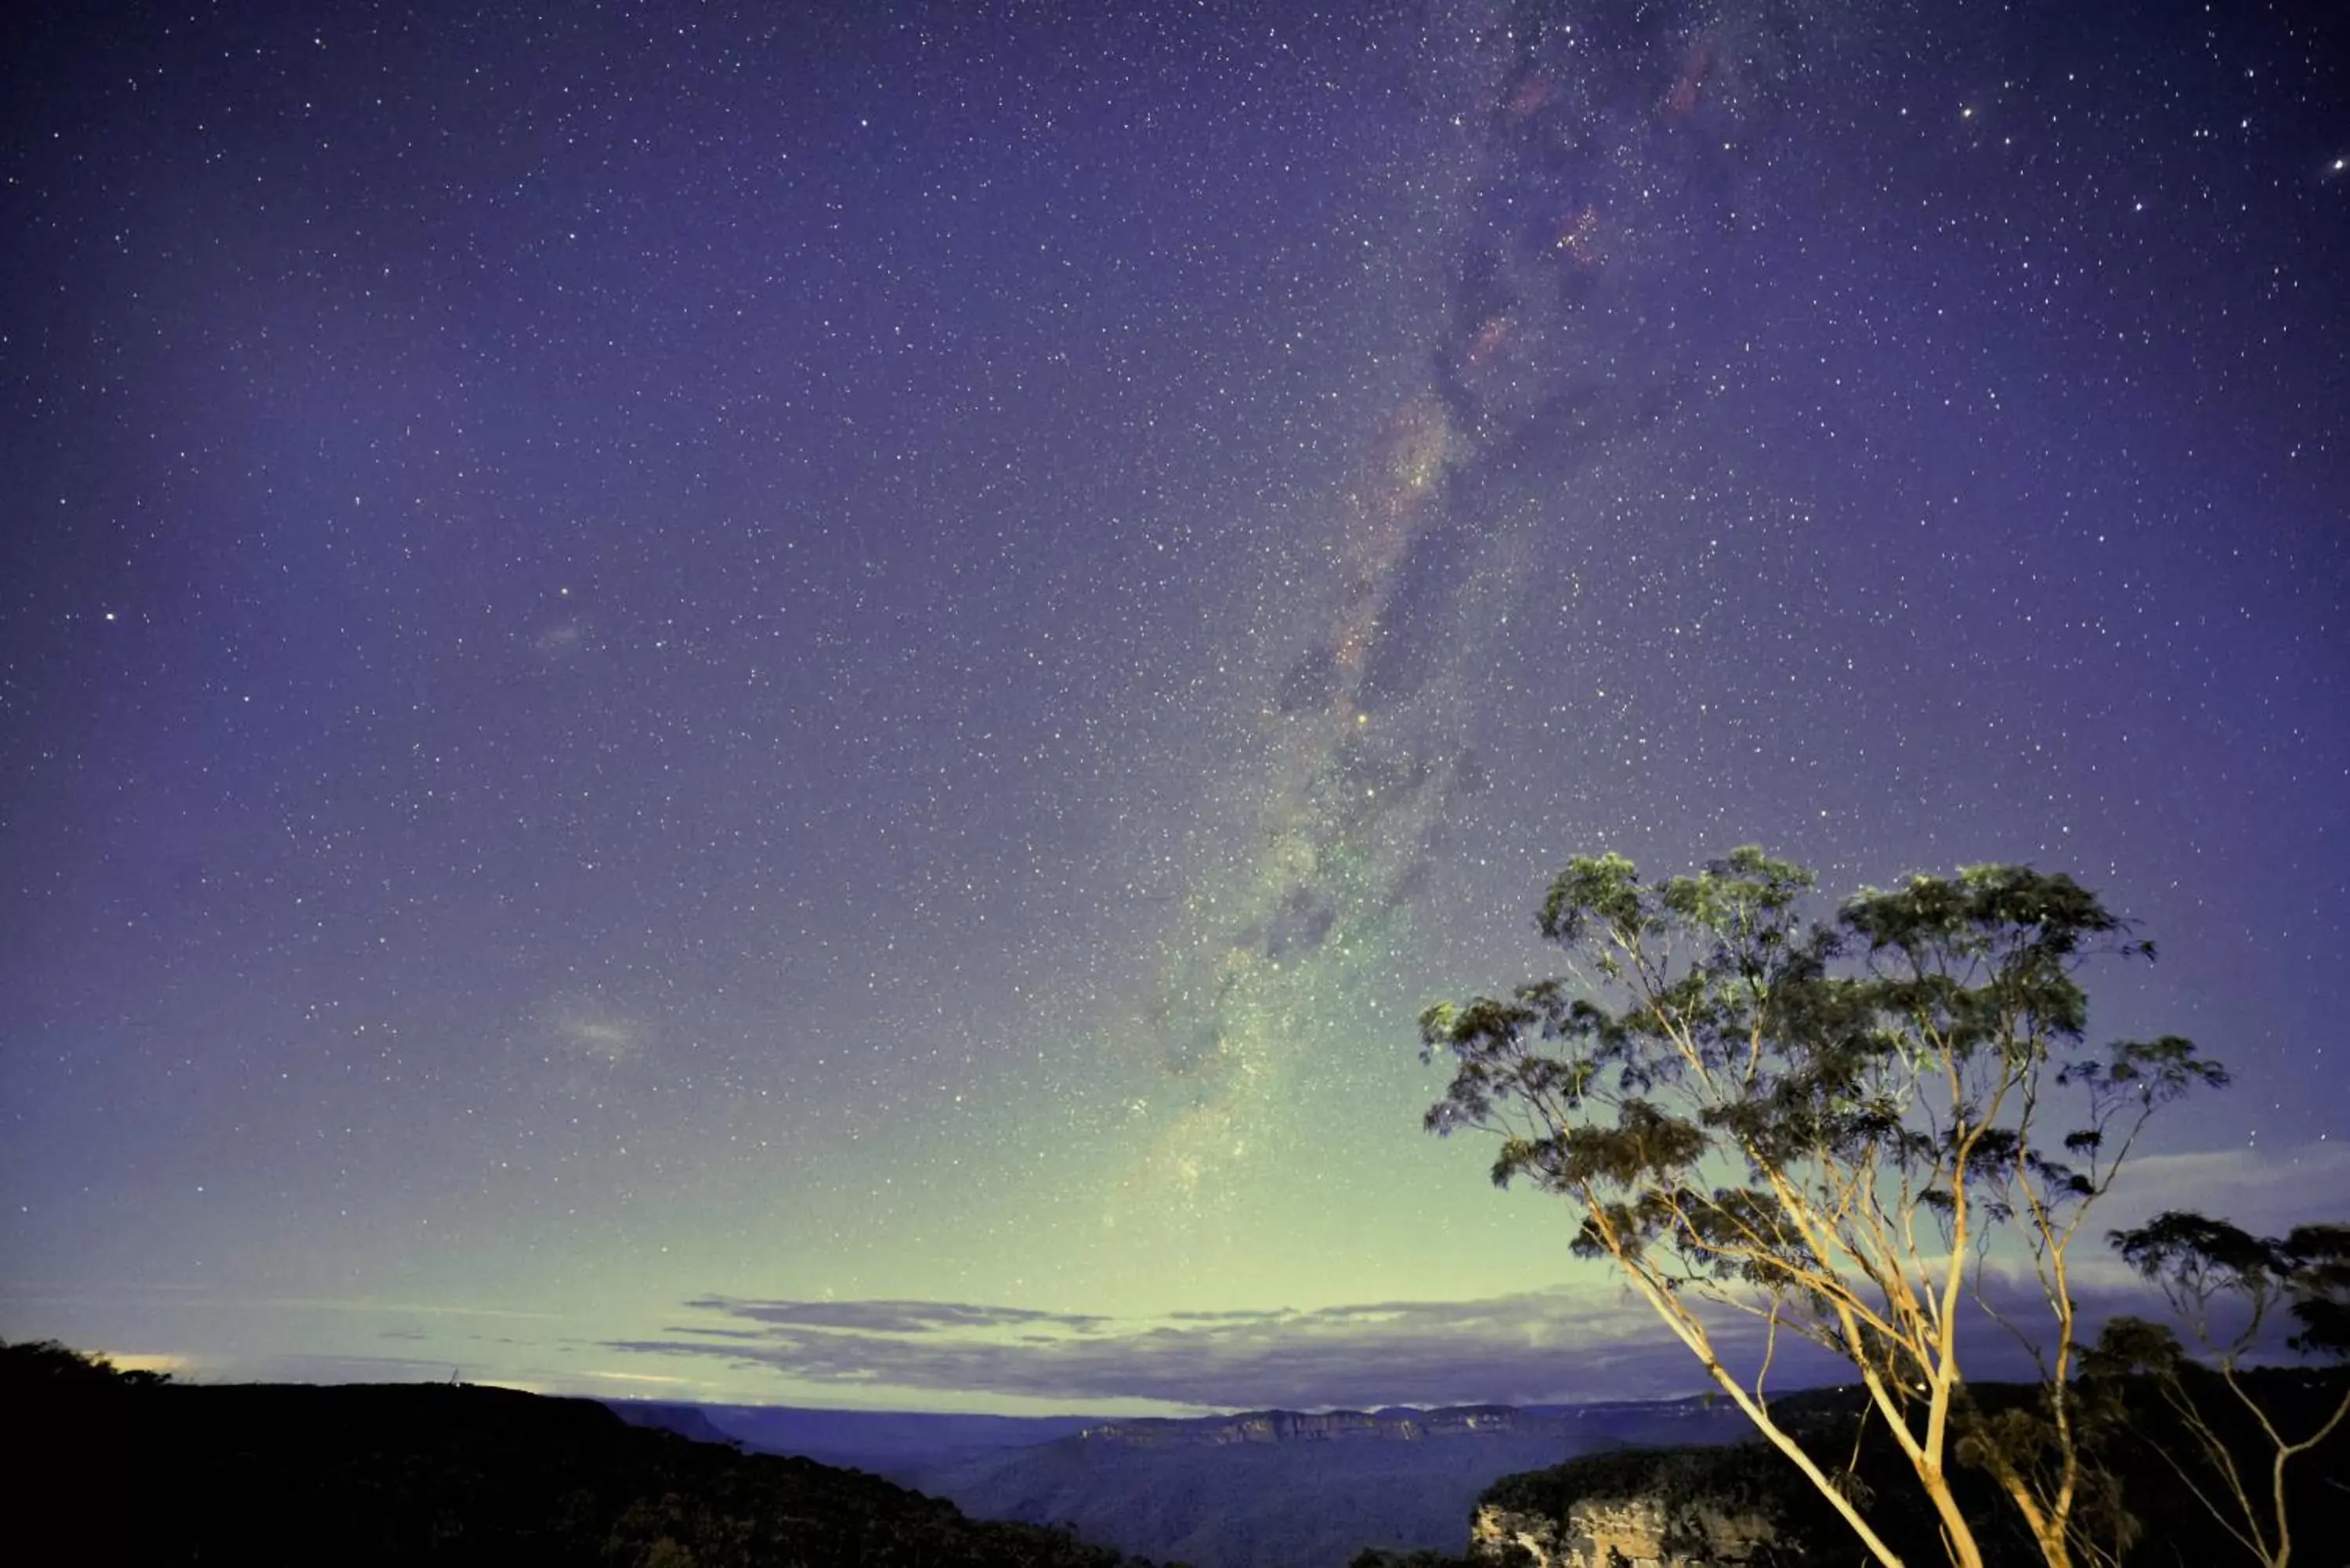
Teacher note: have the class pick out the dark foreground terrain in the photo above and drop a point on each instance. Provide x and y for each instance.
(1743, 1504)
(120, 1469)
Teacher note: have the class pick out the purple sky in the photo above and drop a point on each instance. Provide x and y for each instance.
(684, 677)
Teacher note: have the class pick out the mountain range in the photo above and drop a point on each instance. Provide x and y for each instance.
(1265, 1488)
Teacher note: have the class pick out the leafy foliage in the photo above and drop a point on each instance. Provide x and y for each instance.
(2224, 1284)
(40, 1368)
(2198, 1263)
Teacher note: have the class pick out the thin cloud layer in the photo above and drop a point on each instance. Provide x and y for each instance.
(1528, 1348)
(2268, 1189)
(891, 1317)
(1536, 1347)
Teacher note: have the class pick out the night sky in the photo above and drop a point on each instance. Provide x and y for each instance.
(790, 703)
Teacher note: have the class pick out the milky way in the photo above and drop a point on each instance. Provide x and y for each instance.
(1599, 165)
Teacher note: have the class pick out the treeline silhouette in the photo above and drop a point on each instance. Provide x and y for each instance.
(129, 1467)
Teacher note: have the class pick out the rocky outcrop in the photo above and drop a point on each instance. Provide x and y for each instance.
(1737, 1505)
(1624, 1533)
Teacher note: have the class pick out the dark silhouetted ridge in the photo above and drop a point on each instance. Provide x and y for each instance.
(446, 1474)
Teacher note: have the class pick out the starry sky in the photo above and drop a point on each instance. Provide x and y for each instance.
(790, 702)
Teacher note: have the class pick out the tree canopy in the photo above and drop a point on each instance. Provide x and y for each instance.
(2224, 1285)
(1832, 1124)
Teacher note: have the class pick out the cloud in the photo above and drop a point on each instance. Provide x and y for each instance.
(888, 1316)
(2269, 1191)
(1535, 1347)
(1531, 1347)
(1538, 1346)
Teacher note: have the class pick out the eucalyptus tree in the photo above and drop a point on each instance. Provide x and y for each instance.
(2226, 1287)
(1843, 1127)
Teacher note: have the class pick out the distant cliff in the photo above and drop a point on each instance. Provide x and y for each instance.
(1277, 1489)
(1575, 1425)
(1393, 1426)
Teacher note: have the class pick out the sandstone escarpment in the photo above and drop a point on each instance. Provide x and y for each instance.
(1637, 1532)
(1399, 1425)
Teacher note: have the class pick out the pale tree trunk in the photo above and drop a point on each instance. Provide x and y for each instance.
(1693, 1335)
